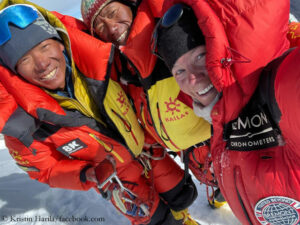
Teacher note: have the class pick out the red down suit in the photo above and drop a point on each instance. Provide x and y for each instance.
(255, 139)
(54, 139)
(154, 91)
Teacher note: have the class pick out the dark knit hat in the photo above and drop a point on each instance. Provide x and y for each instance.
(177, 39)
(23, 40)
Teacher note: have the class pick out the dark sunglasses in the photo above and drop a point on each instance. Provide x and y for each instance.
(19, 15)
(169, 19)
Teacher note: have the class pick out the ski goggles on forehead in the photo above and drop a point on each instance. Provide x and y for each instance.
(18, 15)
(170, 18)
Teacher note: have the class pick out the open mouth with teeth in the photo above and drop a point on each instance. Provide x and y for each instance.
(205, 90)
(50, 75)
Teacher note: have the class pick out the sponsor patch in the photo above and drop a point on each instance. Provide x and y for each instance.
(174, 110)
(71, 147)
(123, 103)
(278, 210)
(252, 130)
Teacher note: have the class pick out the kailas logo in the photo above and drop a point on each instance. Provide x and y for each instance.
(278, 210)
(124, 105)
(173, 108)
(252, 130)
(71, 147)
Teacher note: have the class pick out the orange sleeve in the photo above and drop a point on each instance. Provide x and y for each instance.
(71, 21)
(47, 165)
(7, 106)
(287, 95)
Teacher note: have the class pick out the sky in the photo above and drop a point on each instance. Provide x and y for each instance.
(69, 7)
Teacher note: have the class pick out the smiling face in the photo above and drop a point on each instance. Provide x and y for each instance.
(44, 65)
(191, 75)
(113, 22)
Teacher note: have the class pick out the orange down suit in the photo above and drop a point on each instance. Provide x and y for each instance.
(55, 139)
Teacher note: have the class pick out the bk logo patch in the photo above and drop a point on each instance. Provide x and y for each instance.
(278, 210)
(71, 147)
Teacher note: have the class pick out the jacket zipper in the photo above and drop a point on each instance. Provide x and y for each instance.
(240, 199)
(108, 149)
(163, 129)
(127, 126)
(142, 116)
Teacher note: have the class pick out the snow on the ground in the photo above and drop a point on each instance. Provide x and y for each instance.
(293, 18)
(24, 201)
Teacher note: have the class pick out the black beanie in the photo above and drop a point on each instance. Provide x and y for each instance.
(176, 40)
(23, 40)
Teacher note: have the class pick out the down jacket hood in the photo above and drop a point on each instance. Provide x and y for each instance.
(241, 38)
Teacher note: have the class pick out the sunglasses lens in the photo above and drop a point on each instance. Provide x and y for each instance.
(19, 15)
(169, 19)
(172, 15)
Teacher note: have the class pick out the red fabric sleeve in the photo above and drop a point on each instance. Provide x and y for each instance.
(48, 166)
(166, 172)
(7, 106)
(287, 93)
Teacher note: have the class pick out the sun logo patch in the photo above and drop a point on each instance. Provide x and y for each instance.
(172, 106)
(124, 105)
(174, 111)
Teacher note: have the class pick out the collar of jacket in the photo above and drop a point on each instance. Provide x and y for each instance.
(69, 89)
(138, 45)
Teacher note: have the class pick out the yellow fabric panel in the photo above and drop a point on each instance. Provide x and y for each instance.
(83, 96)
(176, 123)
(121, 113)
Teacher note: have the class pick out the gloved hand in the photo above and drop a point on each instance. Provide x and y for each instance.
(104, 171)
(101, 172)
(101, 175)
